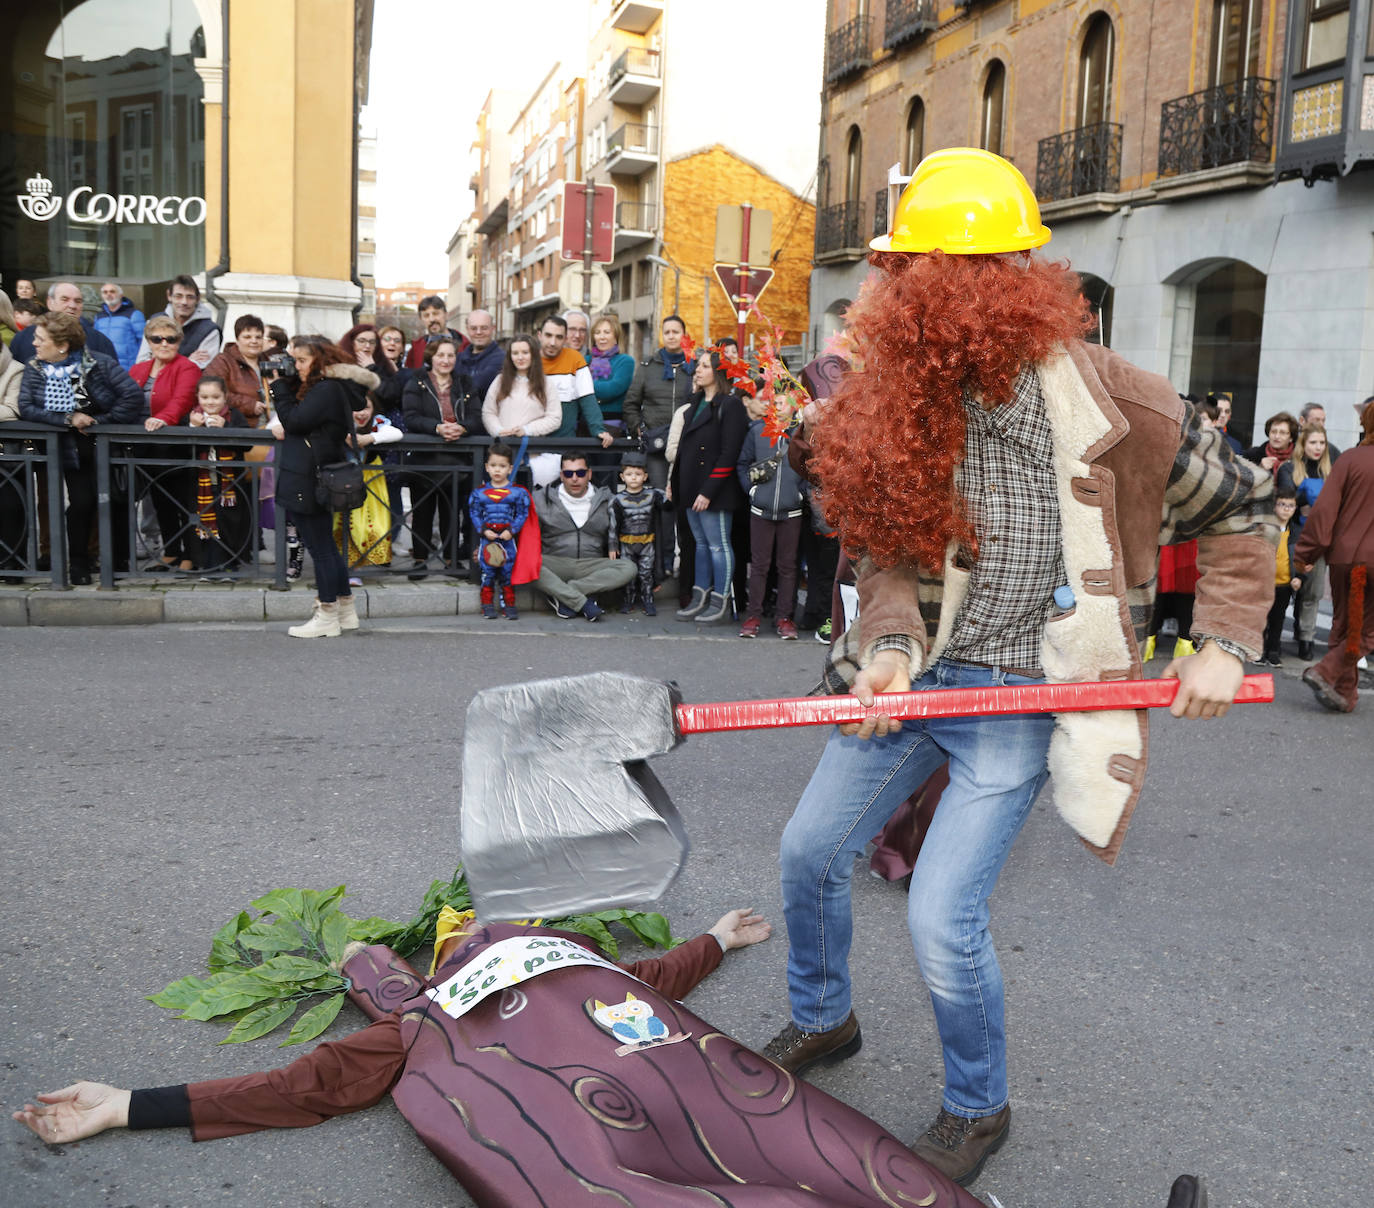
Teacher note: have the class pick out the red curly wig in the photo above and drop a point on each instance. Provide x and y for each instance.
(925, 329)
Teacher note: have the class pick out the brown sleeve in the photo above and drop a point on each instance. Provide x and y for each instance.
(682, 969)
(337, 1077)
(888, 605)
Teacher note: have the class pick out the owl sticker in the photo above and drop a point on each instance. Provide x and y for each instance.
(634, 1022)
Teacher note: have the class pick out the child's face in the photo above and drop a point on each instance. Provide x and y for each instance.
(1284, 509)
(634, 478)
(498, 470)
(211, 400)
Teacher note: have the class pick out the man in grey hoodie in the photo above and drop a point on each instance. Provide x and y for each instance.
(574, 527)
(201, 337)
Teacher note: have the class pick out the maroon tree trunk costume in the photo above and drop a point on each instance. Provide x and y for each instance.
(526, 1101)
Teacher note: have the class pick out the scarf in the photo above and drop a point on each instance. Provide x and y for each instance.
(59, 384)
(671, 360)
(601, 362)
(1279, 456)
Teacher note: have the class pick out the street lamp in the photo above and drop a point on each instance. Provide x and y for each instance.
(666, 261)
(661, 262)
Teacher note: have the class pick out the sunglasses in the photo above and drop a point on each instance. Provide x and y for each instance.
(582, 473)
(163, 340)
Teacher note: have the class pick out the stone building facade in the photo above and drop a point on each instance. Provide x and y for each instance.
(1155, 136)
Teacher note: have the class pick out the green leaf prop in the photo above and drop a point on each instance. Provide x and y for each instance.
(264, 966)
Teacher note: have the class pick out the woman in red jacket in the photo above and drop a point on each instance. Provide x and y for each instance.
(169, 384)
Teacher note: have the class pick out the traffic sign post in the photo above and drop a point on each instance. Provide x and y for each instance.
(588, 229)
(742, 285)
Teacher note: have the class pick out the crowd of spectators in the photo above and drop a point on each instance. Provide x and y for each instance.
(695, 491)
(691, 483)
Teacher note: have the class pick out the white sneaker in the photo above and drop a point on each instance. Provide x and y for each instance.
(323, 623)
(348, 613)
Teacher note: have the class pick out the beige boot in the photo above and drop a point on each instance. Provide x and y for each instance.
(323, 623)
(348, 613)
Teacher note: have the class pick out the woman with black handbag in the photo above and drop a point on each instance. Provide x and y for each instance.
(315, 415)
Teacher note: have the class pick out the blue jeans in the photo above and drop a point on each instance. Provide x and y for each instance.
(997, 766)
(715, 562)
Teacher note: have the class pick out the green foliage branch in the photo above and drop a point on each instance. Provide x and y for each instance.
(264, 967)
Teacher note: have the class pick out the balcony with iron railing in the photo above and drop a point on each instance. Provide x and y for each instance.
(635, 222)
(635, 76)
(848, 49)
(1079, 162)
(633, 149)
(1229, 126)
(906, 20)
(840, 232)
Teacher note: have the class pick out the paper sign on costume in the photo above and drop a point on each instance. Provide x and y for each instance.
(507, 963)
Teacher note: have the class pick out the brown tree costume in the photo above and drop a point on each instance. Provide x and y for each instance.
(526, 1101)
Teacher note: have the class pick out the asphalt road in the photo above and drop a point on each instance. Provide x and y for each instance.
(1202, 1007)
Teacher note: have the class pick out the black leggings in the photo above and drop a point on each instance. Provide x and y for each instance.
(316, 532)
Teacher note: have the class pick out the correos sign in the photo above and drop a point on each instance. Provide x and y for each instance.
(85, 205)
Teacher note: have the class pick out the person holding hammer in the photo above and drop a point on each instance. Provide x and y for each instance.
(1024, 476)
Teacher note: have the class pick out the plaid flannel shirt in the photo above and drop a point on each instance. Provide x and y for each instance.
(1211, 493)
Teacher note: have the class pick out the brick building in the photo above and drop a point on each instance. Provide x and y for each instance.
(1162, 139)
(693, 186)
(545, 151)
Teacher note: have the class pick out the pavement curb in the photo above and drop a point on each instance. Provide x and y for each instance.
(81, 606)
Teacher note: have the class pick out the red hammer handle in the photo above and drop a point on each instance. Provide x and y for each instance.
(948, 702)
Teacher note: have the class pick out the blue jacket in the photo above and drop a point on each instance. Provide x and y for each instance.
(22, 345)
(111, 395)
(123, 327)
(482, 367)
(781, 496)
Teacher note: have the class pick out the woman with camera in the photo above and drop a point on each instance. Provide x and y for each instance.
(314, 412)
(66, 385)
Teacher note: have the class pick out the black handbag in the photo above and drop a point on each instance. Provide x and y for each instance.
(654, 440)
(339, 485)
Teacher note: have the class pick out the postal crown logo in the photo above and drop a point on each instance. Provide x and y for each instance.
(40, 204)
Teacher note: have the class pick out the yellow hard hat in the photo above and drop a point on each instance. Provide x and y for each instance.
(966, 202)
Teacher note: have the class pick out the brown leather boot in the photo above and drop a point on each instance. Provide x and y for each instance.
(796, 1050)
(957, 1147)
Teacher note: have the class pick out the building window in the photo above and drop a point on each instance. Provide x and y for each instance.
(101, 99)
(1327, 29)
(1096, 68)
(994, 107)
(913, 139)
(1236, 40)
(853, 165)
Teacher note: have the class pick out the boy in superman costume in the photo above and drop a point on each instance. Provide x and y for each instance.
(499, 510)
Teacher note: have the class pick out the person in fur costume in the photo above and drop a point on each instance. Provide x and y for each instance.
(999, 482)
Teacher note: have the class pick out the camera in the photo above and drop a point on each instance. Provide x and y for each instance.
(279, 364)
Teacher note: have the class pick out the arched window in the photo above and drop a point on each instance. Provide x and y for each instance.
(994, 107)
(1096, 69)
(853, 165)
(913, 138)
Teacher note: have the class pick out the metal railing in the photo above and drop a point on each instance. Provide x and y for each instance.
(634, 137)
(160, 495)
(848, 49)
(633, 60)
(880, 212)
(1086, 160)
(1229, 124)
(908, 19)
(841, 229)
(636, 216)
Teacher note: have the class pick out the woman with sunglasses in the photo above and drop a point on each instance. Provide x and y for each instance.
(168, 380)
